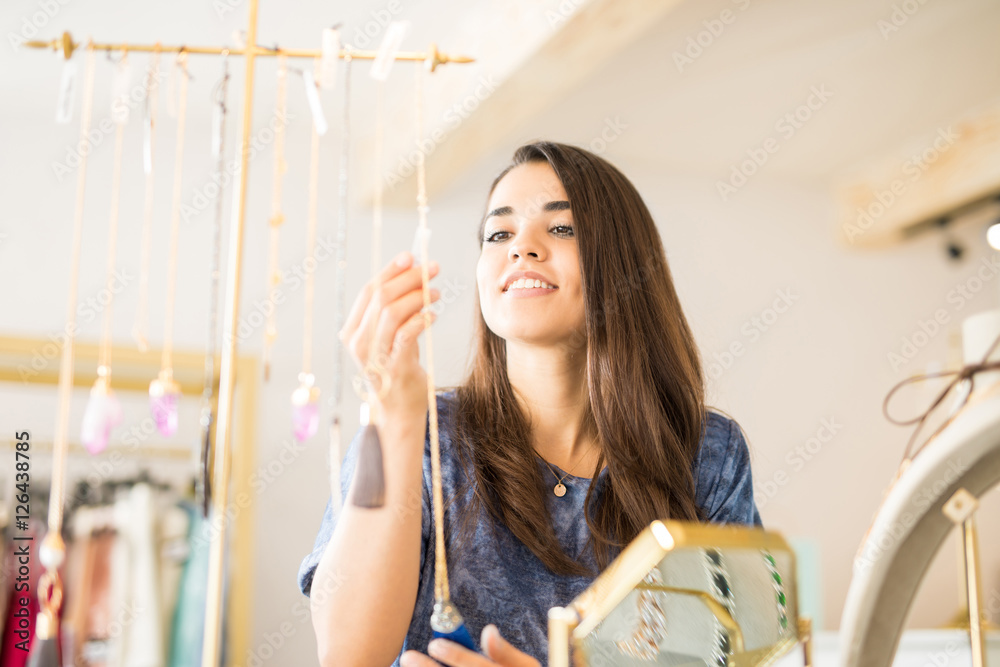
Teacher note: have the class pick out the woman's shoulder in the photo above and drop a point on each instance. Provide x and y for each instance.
(447, 398)
(723, 480)
(721, 438)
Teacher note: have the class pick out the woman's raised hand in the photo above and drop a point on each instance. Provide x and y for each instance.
(497, 652)
(381, 334)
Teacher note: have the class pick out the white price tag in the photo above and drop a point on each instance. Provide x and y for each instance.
(419, 238)
(331, 55)
(387, 51)
(67, 92)
(312, 94)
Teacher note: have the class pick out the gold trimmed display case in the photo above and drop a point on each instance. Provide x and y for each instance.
(688, 594)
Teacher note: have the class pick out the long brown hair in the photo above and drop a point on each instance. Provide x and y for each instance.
(644, 380)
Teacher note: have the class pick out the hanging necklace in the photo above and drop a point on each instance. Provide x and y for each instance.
(104, 411)
(369, 472)
(164, 392)
(559, 489)
(305, 398)
(52, 551)
(338, 356)
(203, 486)
(277, 217)
(148, 145)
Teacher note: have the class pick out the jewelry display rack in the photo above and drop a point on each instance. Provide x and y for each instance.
(229, 360)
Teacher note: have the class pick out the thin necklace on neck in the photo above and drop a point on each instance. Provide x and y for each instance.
(559, 489)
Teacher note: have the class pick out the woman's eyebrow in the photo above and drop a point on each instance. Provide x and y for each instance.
(503, 210)
(556, 205)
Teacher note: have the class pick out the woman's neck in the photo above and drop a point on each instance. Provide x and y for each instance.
(551, 386)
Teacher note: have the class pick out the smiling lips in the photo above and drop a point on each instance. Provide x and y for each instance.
(523, 287)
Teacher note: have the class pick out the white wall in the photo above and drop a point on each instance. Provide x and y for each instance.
(825, 358)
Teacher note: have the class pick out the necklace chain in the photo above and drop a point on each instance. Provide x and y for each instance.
(559, 489)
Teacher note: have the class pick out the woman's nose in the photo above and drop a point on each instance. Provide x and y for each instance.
(526, 244)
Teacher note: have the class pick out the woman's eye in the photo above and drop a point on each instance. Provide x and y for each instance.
(562, 230)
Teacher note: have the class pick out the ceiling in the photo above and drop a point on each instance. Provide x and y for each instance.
(882, 86)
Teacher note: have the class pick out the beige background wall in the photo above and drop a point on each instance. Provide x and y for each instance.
(677, 134)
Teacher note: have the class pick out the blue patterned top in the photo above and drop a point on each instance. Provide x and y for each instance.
(496, 579)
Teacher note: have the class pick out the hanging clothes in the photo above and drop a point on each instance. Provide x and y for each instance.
(188, 629)
(143, 638)
(134, 579)
(96, 649)
(79, 563)
(173, 551)
(19, 627)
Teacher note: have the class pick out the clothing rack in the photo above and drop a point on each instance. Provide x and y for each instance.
(133, 370)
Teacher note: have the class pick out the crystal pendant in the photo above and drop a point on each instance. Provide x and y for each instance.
(164, 393)
(103, 413)
(305, 408)
(448, 623)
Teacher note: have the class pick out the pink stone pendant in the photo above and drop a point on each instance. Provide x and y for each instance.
(164, 393)
(305, 408)
(103, 413)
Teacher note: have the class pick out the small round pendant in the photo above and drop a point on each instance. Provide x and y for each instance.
(559, 490)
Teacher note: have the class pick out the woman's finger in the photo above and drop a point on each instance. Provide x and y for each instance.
(397, 315)
(417, 659)
(373, 343)
(456, 655)
(406, 283)
(399, 264)
(501, 651)
(407, 334)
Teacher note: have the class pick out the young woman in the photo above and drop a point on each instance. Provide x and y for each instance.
(581, 421)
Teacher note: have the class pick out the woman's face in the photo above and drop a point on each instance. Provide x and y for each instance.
(529, 228)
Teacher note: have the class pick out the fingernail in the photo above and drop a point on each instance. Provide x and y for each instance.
(436, 647)
(432, 265)
(435, 293)
(403, 258)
